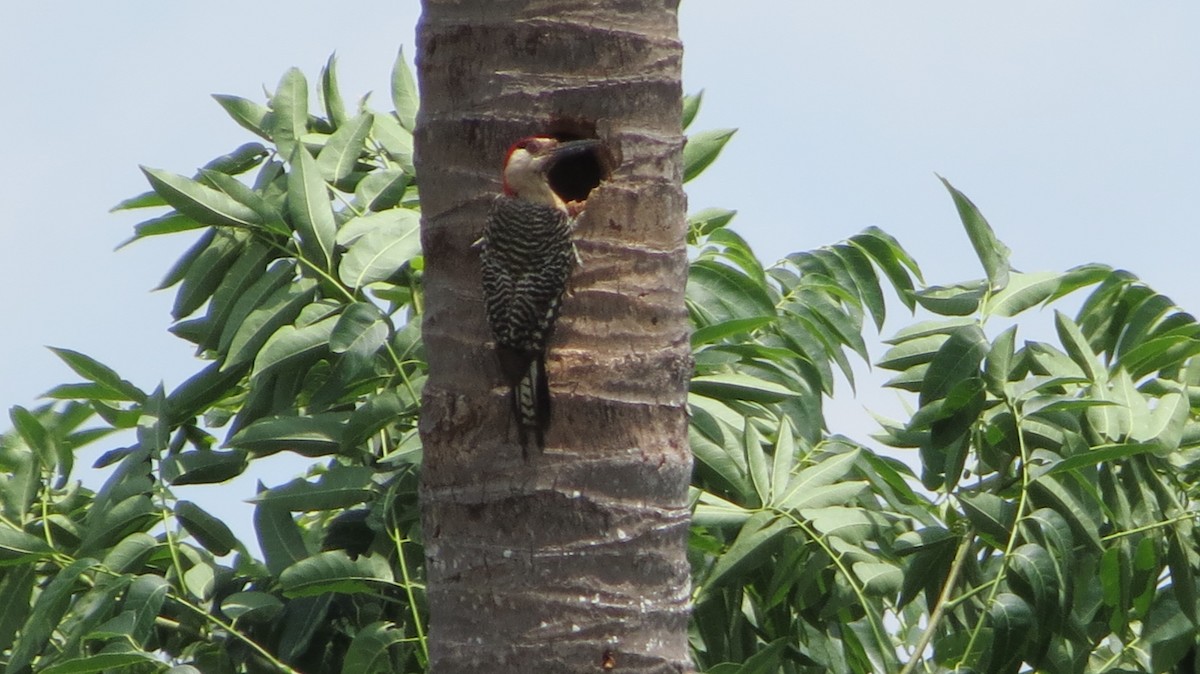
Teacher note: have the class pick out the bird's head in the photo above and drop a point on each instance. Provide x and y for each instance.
(529, 161)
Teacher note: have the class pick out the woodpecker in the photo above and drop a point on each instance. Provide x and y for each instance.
(527, 255)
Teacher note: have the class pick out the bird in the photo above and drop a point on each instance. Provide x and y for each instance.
(527, 254)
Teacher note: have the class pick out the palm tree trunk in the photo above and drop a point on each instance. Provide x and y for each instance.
(573, 560)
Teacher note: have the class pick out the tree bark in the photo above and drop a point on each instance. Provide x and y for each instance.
(573, 560)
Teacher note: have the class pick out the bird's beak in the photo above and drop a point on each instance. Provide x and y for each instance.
(572, 148)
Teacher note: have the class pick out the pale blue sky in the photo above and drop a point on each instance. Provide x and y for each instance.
(1074, 125)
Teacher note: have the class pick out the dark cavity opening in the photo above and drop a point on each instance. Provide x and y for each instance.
(573, 178)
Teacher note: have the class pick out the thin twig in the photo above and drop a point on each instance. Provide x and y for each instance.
(960, 556)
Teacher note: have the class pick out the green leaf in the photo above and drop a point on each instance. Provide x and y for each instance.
(714, 511)
(335, 572)
(1078, 349)
(335, 109)
(1052, 530)
(404, 92)
(290, 108)
(990, 514)
(1106, 306)
(912, 352)
(782, 461)
(360, 329)
(251, 116)
(1115, 422)
(1160, 353)
(1023, 291)
(109, 525)
(998, 365)
(18, 547)
(315, 435)
(1142, 318)
(709, 220)
(858, 266)
(846, 326)
(1166, 423)
(756, 461)
(278, 275)
(307, 617)
(149, 199)
(825, 496)
(1026, 290)
(128, 555)
(341, 487)
(1035, 579)
(878, 579)
(691, 105)
(32, 432)
(961, 299)
(1181, 559)
(992, 253)
(702, 149)
(308, 204)
(396, 140)
(154, 431)
(145, 597)
(99, 373)
(1011, 620)
(268, 215)
(16, 589)
(767, 660)
(371, 650)
(251, 261)
(892, 259)
(170, 223)
(47, 612)
(278, 310)
(391, 240)
(203, 389)
(120, 626)
(739, 387)
(1050, 492)
(178, 270)
(278, 535)
(1114, 579)
(729, 246)
(752, 547)
(204, 468)
(206, 274)
(252, 606)
(290, 345)
(199, 202)
(376, 413)
(1168, 633)
(805, 336)
(824, 473)
(381, 190)
(102, 662)
(852, 525)
(343, 149)
(958, 359)
(242, 159)
(210, 532)
(716, 332)
(724, 293)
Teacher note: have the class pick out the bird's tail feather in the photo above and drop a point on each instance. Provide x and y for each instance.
(531, 405)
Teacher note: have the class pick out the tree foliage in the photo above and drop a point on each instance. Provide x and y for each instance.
(1052, 524)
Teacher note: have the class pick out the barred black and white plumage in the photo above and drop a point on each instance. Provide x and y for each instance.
(527, 256)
